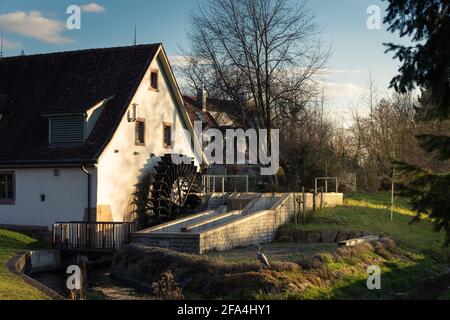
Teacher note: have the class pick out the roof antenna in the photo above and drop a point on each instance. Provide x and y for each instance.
(1, 45)
(135, 35)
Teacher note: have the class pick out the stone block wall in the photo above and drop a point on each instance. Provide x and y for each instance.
(258, 225)
(183, 242)
(254, 228)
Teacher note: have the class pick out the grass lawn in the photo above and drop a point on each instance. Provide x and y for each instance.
(309, 270)
(277, 251)
(12, 287)
(365, 212)
(425, 256)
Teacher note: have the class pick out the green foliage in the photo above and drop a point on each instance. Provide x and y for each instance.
(430, 194)
(12, 287)
(370, 212)
(425, 64)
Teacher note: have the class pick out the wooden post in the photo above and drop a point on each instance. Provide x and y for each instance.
(314, 200)
(294, 198)
(321, 197)
(392, 195)
(304, 204)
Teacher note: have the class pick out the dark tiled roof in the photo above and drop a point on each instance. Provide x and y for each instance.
(194, 111)
(229, 107)
(66, 82)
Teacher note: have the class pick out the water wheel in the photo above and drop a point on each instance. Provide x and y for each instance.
(174, 186)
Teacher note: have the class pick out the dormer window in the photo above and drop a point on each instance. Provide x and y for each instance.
(67, 129)
(154, 80)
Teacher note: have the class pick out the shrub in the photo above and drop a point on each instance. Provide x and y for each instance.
(166, 288)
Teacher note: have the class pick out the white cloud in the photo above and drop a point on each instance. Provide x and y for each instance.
(92, 7)
(332, 71)
(35, 25)
(178, 61)
(343, 91)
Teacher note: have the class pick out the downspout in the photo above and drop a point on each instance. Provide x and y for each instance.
(88, 192)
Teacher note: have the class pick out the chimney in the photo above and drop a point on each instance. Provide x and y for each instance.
(201, 98)
(243, 99)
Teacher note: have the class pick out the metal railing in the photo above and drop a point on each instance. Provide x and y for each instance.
(92, 235)
(225, 183)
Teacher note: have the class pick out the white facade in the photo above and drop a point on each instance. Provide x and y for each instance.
(123, 162)
(65, 196)
(119, 166)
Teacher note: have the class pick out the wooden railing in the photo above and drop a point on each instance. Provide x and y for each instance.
(92, 235)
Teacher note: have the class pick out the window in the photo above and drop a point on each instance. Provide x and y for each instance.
(7, 188)
(140, 132)
(154, 80)
(56, 172)
(167, 135)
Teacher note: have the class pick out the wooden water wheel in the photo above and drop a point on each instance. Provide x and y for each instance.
(173, 185)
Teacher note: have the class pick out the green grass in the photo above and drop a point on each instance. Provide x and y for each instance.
(425, 256)
(370, 213)
(277, 251)
(12, 287)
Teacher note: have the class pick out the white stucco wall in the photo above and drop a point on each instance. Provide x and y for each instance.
(65, 196)
(122, 162)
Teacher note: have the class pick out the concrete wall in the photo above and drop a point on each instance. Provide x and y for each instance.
(185, 242)
(65, 196)
(44, 260)
(259, 227)
(257, 223)
(123, 162)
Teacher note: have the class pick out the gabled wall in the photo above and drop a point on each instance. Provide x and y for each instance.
(123, 162)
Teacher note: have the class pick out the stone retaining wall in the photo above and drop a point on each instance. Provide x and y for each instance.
(45, 260)
(185, 242)
(257, 223)
(326, 236)
(256, 228)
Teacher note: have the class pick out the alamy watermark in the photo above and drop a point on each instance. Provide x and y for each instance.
(374, 18)
(374, 279)
(236, 146)
(74, 279)
(73, 21)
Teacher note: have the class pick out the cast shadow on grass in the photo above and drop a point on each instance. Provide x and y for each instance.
(397, 283)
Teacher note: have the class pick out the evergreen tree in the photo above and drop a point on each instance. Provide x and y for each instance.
(426, 65)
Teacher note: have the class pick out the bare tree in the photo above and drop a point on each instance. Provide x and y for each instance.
(264, 48)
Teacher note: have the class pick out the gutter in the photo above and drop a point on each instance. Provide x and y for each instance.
(83, 168)
(46, 163)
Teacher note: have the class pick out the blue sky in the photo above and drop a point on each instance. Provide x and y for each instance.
(356, 49)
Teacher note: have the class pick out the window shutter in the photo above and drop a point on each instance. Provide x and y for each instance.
(68, 129)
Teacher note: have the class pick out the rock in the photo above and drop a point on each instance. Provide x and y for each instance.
(342, 236)
(329, 236)
(284, 235)
(351, 235)
(300, 236)
(367, 233)
(359, 234)
(314, 236)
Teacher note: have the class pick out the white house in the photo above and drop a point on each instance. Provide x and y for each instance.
(78, 129)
